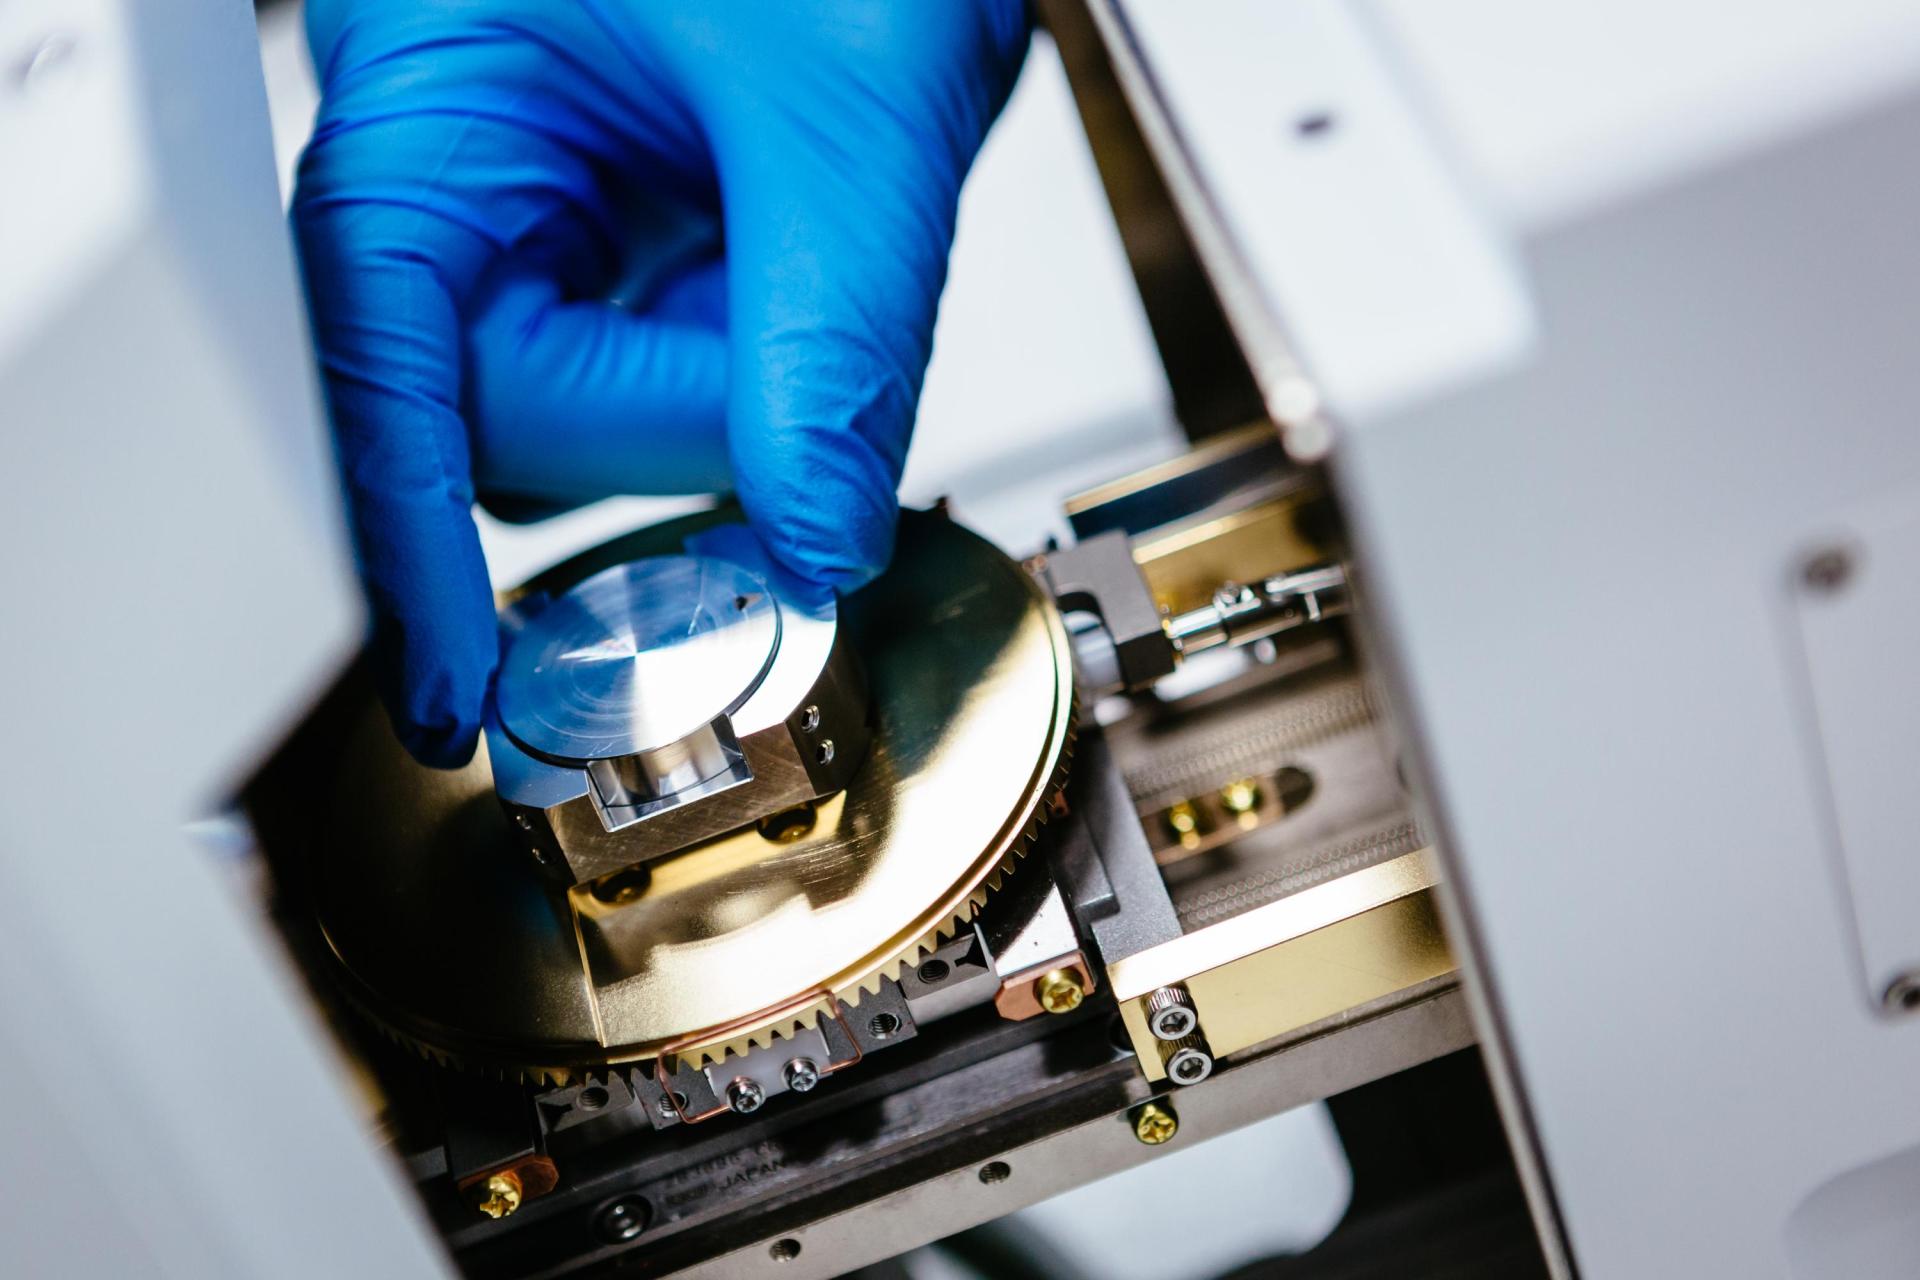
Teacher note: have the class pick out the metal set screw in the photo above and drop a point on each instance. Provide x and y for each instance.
(1170, 1014)
(1187, 1060)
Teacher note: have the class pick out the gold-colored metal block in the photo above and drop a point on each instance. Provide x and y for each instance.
(1294, 962)
(1187, 563)
(1243, 441)
(1255, 532)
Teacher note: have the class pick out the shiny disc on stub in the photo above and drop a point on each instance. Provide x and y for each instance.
(637, 656)
(447, 933)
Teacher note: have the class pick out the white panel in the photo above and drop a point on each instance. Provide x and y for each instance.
(1371, 255)
(1857, 602)
(1579, 567)
(1559, 108)
(1860, 1226)
(176, 586)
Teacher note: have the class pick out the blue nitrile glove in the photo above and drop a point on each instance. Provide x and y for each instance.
(764, 191)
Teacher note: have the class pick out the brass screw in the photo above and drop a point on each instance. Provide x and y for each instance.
(1060, 991)
(1154, 1124)
(499, 1195)
(1184, 821)
(788, 825)
(1241, 798)
(622, 887)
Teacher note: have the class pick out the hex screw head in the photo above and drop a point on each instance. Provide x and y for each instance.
(499, 1195)
(1189, 1066)
(1060, 991)
(801, 1074)
(1154, 1123)
(745, 1096)
(1170, 1014)
(1187, 1061)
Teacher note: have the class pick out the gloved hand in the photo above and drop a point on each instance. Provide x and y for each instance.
(561, 249)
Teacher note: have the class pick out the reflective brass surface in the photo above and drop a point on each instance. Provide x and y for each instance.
(1291, 963)
(448, 935)
(1186, 563)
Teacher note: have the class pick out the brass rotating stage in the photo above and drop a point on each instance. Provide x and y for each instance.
(449, 935)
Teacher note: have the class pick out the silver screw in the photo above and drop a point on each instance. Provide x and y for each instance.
(1827, 571)
(1903, 994)
(801, 1074)
(745, 1096)
(1170, 1014)
(1189, 1066)
(1187, 1060)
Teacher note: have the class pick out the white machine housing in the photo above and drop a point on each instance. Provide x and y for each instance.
(1614, 314)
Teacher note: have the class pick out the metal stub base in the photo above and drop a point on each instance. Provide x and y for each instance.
(667, 699)
(452, 936)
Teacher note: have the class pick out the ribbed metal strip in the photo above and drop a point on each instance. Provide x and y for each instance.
(1237, 748)
(1322, 863)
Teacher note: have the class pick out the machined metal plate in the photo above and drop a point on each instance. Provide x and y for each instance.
(449, 936)
(1336, 946)
(829, 1196)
